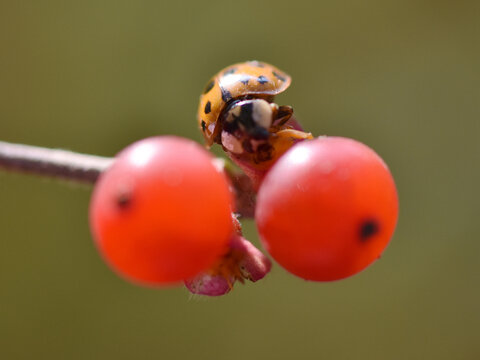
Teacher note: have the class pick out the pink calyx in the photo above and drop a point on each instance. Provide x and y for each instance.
(243, 261)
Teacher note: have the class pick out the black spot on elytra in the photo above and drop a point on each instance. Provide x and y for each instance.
(209, 86)
(368, 229)
(244, 80)
(262, 79)
(229, 71)
(278, 76)
(204, 125)
(226, 95)
(208, 107)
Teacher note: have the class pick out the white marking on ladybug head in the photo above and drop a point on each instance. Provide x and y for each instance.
(262, 113)
(231, 143)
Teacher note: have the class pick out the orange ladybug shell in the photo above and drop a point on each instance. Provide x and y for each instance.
(248, 78)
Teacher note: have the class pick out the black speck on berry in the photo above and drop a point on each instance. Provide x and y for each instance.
(123, 200)
(368, 229)
(204, 125)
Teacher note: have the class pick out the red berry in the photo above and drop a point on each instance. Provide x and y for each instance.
(327, 209)
(162, 212)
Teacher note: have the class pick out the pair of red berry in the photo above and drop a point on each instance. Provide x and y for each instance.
(326, 207)
(162, 213)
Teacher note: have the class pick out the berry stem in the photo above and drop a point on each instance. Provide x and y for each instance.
(53, 163)
(85, 169)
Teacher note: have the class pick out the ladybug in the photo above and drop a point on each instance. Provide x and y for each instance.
(237, 111)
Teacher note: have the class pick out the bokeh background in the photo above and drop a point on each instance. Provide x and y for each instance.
(94, 76)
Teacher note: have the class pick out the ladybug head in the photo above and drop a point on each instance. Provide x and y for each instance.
(248, 125)
(250, 119)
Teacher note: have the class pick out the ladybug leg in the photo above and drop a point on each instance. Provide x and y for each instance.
(283, 114)
(294, 134)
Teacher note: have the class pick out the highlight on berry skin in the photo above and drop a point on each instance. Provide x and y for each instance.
(327, 209)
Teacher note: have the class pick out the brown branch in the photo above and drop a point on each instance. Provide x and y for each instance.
(83, 168)
(54, 163)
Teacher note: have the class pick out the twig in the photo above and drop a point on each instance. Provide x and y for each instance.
(83, 168)
(54, 163)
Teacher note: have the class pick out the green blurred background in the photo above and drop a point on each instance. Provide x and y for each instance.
(94, 76)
